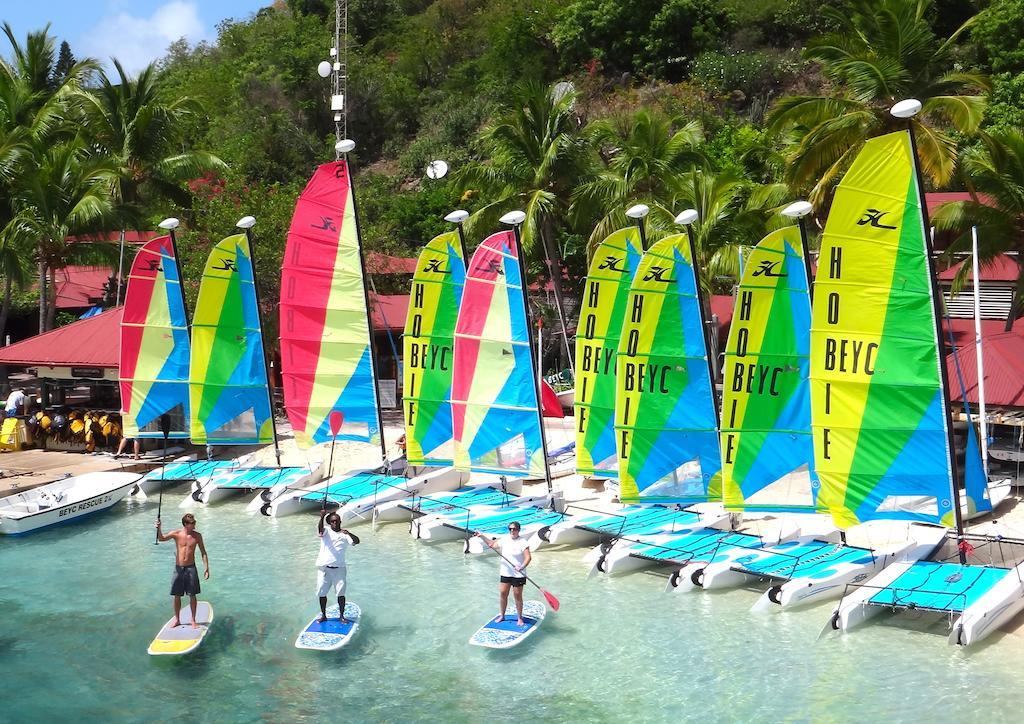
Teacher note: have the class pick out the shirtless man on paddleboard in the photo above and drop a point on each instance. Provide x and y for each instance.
(186, 577)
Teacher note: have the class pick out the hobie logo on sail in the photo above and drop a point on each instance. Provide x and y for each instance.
(657, 274)
(326, 224)
(874, 218)
(611, 263)
(768, 269)
(228, 265)
(153, 265)
(434, 266)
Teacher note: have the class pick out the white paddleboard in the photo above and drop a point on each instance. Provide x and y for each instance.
(508, 633)
(177, 640)
(331, 634)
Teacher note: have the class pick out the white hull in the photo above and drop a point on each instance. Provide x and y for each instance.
(209, 490)
(63, 501)
(436, 527)
(805, 591)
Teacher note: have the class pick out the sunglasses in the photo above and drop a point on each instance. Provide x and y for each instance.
(513, 528)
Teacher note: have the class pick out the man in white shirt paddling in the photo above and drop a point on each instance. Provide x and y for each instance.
(330, 563)
(515, 557)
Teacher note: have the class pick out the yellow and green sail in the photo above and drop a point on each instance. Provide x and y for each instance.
(228, 395)
(428, 346)
(878, 405)
(597, 338)
(766, 405)
(666, 420)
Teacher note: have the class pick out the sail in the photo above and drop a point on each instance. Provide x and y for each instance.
(766, 403)
(428, 347)
(597, 337)
(325, 334)
(665, 411)
(154, 345)
(494, 394)
(878, 405)
(228, 380)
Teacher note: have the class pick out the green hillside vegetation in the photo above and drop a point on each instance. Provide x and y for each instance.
(573, 110)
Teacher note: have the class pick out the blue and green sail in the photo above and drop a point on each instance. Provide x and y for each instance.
(597, 338)
(666, 419)
(766, 404)
(429, 344)
(879, 406)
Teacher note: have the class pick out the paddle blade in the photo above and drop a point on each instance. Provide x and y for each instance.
(550, 598)
(336, 419)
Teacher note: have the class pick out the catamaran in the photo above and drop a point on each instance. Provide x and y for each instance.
(880, 395)
(230, 401)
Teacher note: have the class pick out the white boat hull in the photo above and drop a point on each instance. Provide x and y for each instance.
(398, 511)
(208, 491)
(692, 575)
(618, 559)
(22, 515)
(435, 527)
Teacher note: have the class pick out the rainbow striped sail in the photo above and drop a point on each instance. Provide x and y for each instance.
(325, 328)
(429, 345)
(766, 403)
(879, 410)
(597, 337)
(154, 344)
(494, 395)
(228, 380)
(665, 411)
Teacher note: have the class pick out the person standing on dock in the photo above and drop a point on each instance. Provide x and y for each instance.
(330, 563)
(186, 577)
(515, 557)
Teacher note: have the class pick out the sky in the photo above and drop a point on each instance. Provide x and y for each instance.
(136, 32)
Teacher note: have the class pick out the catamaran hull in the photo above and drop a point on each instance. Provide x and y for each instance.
(452, 527)
(208, 491)
(805, 591)
(617, 558)
(1000, 604)
(692, 575)
(398, 511)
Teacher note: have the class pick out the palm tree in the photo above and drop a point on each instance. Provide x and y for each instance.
(34, 109)
(69, 193)
(536, 155)
(141, 132)
(645, 155)
(881, 51)
(994, 172)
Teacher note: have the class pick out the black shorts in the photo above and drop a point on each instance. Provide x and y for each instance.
(514, 581)
(185, 581)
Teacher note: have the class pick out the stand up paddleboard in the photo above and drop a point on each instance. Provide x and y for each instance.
(331, 634)
(507, 633)
(177, 640)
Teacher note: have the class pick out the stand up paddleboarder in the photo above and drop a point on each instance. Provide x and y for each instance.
(515, 557)
(330, 563)
(186, 577)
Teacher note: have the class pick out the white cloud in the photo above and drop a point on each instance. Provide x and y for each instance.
(137, 41)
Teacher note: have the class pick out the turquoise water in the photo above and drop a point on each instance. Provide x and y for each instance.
(79, 605)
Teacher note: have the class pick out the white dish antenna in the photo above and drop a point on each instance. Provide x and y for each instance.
(513, 218)
(906, 109)
(437, 169)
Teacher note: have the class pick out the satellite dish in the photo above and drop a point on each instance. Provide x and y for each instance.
(324, 69)
(797, 209)
(687, 217)
(513, 218)
(906, 109)
(437, 169)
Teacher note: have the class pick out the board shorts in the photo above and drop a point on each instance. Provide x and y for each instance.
(330, 577)
(185, 581)
(514, 581)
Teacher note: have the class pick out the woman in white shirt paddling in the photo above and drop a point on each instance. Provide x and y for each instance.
(512, 576)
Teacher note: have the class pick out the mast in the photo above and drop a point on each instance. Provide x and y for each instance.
(342, 147)
(799, 210)
(978, 351)
(246, 223)
(457, 217)
(515, 220)
(687, 218)
(170, 224)
(637, 213)
(907, 109)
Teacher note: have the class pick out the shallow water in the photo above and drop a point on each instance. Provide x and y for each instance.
(79, 605)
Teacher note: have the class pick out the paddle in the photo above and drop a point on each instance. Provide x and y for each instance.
(165, 428)
(548, 596)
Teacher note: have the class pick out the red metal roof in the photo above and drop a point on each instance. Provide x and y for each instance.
(1004, 362)
(130, 237)
(383, 264)
(934, 200)
(388, 311)
(91, 342)
(81, 286)
(1002, 268)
